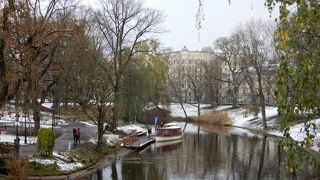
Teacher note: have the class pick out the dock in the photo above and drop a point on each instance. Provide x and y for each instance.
(137, 142)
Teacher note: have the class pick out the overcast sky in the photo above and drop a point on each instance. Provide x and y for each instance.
(220, 20)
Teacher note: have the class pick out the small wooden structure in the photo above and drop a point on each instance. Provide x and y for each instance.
(134, 141)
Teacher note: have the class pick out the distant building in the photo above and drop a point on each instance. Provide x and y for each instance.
(196, 76)
(187, 74)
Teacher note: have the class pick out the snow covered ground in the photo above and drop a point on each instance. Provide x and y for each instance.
(60, 160)
(298, 134)
(8, 119)
(131, 128)
(10, 138)
(111, 139)
(220, 108)
(88, 123)
(238, 117)
(177, 111)
(5, 137)
(297, 131)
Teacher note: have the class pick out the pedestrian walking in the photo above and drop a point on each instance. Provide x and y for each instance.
(78, 136)
(74, 135)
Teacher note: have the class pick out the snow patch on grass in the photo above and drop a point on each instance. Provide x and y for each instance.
(238, 117)
(111, 139)
(10, 138)
(191, 110)
(132, 128)
(298, 134)
(87, 123)
(60, 160)
(220, 108)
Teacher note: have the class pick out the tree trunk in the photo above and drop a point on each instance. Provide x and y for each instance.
(36, 116)
(100, 130)
(262, 157)
(4, 88)
(115, 108)
(3, 84)
(184, 111)
(262, 103)
(3, 92)
(235, 97)
(114, 173)
(252, 91)
(198, 107)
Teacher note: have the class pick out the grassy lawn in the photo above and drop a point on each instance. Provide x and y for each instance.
(88, 155)
(72, 112)
(37, 169)
(12, 130)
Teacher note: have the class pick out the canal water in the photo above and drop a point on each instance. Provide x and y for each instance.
(205, 152)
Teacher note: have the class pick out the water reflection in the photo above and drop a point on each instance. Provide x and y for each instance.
(205, 153)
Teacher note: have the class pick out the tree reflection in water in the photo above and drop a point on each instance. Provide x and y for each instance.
(206, 154)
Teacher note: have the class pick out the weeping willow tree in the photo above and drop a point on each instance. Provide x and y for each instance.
(144, 83)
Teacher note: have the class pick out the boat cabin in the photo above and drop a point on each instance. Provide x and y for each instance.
(169, 131)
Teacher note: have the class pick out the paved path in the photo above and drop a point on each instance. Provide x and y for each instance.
(87, 132)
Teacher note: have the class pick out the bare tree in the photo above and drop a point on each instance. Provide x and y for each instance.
(228, 51)
(32, 33)
(86, 80)
(177, 86)
(123, 24)
(196, 84)
(213, 76)
(257, 51)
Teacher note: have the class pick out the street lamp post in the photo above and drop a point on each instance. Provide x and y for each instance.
(17, 140)
(53, 118)
(25, 128)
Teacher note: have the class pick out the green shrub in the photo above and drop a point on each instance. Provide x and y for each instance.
(45, 142)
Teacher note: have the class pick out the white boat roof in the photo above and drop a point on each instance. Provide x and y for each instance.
(170, 124)
(171, 127)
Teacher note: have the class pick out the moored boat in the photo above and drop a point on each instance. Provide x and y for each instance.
(168, 132)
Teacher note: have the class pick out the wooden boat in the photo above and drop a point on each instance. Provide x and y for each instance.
(168, 132)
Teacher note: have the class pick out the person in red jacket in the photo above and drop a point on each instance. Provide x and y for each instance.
(78, 136)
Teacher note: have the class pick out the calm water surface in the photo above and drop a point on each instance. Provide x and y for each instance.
(205, 152)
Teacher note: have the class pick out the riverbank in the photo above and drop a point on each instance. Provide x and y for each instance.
(88, 170)
(238, 117)
(308, 151)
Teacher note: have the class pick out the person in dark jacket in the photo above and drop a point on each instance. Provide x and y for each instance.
(74, 136)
